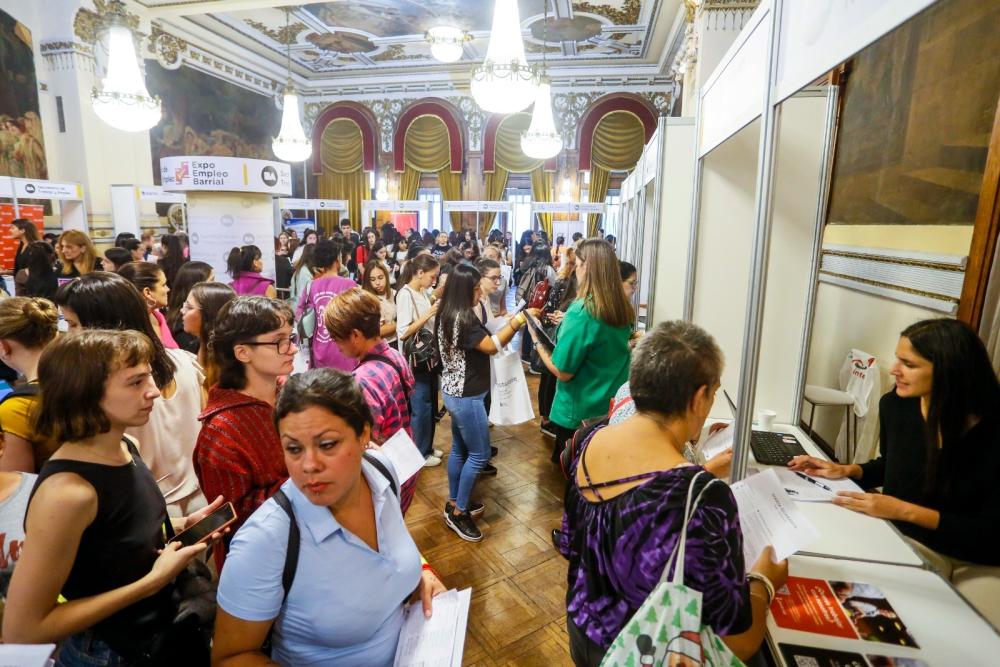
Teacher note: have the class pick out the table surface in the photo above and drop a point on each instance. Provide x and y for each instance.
(948, 631)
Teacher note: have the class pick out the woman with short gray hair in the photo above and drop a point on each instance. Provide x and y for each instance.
(625, 507)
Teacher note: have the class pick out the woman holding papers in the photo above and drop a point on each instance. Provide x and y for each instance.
(939, 457)
(356, 562)
(625, 506)
(352, 318)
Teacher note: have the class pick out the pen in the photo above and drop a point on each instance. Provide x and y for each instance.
(812, 481)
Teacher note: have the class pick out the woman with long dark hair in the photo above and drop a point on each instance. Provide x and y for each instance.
(173, 257)
(244, 264)
(189, 275)
(25, 232)
(560, 298)
(42, 280)
(376, 281)
(303, 272)
(591, 358)
(939, 458)
(151, 282)
(466, 346)
(199, 314)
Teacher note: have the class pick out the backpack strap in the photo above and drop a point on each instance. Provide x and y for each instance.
(386, 360)
(292, 551)
(378, 465)
(26, 389)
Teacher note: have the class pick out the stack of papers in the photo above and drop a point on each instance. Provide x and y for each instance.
(403, 454)
(806, 489)
(438, 641)
(769, 517)
(26, 655)
(717, 443)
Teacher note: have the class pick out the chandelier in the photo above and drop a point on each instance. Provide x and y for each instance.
(446, 43)
(123, 101)
(291, 144)
(541, 141)
(504, 83)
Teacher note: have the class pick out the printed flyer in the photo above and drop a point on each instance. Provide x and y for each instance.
(812, 656)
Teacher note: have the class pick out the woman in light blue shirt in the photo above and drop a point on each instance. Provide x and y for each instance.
(357, 563)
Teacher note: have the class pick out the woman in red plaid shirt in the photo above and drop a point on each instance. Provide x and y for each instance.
(353, 319)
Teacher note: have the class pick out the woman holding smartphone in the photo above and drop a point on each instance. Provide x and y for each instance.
(95, 520)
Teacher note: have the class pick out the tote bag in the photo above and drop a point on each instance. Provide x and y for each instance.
(510, 401)
(667, 629)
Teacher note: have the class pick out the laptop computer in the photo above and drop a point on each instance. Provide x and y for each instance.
(769, 448)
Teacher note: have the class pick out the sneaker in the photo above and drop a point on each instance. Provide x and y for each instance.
(475, 508)
(546, 429)
(438, 453)
(532, 371)
(493, 451)
(489, 470)
(432, 461)
(464, 526)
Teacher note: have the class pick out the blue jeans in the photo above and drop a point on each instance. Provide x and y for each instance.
(470, 445)
(86, 650)
(422, 412)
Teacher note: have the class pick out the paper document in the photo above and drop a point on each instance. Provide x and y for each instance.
(403, 454)
(806, 489)
(769, 516)
(438, 641)
(26, 655)
(717, 443)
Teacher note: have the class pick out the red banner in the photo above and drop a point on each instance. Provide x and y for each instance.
(8, 245)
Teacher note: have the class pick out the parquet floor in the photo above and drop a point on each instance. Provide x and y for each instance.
(518, 579)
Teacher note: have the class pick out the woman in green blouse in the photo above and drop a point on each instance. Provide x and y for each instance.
(592, 356)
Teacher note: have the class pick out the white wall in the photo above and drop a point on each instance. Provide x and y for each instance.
(676, 175)
(796, 185)
(723, 257)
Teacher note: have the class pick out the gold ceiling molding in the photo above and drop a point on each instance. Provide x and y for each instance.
(627, 15)
(284, 35)
(88, 25)
(168, 49)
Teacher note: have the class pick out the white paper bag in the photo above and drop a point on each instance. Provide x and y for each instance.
(510, 401)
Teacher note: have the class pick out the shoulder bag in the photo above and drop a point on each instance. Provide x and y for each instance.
(420, 349)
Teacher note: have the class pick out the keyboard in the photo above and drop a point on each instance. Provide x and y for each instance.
(774, 449)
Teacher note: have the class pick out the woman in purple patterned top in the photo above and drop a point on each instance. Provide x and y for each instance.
(625, 507)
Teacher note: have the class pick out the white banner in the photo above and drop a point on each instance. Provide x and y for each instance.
(312, 204)
(221, 221)
(566, 207)
(818, 35)
(225, 174)
(368, 205)
(477, 206)
(157, 194)
(30, 189)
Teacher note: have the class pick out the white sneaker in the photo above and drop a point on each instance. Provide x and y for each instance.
(432, 461)
(438, 453)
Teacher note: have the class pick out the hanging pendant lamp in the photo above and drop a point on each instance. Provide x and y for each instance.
(446, 43)
(541, 141)
(123, 102)
(291, 144)
(505, 83)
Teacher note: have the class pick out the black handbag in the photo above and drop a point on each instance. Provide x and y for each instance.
(421, 349)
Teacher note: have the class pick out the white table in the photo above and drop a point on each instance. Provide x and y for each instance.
(948, 630)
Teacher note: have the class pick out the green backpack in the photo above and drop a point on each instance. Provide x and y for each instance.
(667, 629)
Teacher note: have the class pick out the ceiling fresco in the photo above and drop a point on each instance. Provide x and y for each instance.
(347, 35)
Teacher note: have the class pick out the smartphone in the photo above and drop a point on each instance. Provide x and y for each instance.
(212, 523)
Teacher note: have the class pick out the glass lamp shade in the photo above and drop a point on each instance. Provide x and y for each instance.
(291, 144)
(123, 101)
(541, 141)
(504, 83)
(446, 43)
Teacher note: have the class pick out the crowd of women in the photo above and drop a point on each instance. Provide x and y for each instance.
(173, 391)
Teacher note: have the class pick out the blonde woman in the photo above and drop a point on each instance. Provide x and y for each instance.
(76, 253)
(591, 358)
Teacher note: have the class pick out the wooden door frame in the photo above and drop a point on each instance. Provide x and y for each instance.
(984, 235)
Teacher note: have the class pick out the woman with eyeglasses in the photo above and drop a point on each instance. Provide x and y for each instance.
(238, 453)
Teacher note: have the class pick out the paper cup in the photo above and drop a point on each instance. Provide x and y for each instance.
(765, 419)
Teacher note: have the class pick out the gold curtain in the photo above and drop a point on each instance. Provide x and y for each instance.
(426, 149)
(409, 181)
(508, 147)
(618, 141)
(343, 174)
(496, 186)
(599, 179)
(541, 191)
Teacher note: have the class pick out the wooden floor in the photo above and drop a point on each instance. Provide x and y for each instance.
(518, 579)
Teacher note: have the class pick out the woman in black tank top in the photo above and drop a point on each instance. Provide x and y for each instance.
(96, 517)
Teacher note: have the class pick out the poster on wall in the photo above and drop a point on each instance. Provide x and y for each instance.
(206, 115)
(22, 147)
(8, 245)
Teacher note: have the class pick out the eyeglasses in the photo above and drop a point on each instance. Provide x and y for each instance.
(282, 345)
(495, 279)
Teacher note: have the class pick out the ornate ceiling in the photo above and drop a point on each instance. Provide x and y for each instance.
(346, 36)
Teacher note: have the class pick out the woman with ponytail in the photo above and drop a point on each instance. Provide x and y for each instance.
(244, 265)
